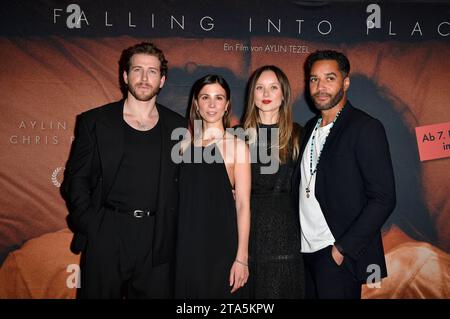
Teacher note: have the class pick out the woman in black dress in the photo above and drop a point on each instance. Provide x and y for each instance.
(276, 264)
(213, 229)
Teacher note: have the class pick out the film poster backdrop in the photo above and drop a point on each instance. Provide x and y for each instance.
(60, 58)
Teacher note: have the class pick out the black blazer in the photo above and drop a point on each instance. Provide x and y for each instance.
(91, 170)
(355, 187)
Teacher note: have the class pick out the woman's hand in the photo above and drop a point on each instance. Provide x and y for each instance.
(238, 275)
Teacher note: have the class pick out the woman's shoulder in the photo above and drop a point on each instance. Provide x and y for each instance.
(234, 138)
(236, 148)
(239, 132)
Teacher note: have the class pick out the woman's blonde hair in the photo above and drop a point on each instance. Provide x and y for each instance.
(288, 137)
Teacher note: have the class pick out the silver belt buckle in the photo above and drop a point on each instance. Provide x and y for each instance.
(138, 213)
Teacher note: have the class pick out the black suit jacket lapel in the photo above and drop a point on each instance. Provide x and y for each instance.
(326, 155)
(164, 157)
(110, 143)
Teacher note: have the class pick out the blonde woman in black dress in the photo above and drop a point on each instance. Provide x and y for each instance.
(213, 232)
(276, 264)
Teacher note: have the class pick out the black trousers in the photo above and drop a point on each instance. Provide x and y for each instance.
(327, 280)
(117, 262)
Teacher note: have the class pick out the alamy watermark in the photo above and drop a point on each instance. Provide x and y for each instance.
(74, 279)
(263, 147)
(374, 279)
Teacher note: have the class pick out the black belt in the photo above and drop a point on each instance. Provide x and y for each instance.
(138, 213)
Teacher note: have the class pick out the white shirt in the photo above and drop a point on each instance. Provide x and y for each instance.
(315, 233)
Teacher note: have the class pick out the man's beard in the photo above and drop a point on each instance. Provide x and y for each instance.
(143, 97)
(334, 100)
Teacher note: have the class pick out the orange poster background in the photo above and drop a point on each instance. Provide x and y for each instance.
(45, 81)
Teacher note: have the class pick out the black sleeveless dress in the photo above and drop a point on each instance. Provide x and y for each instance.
(276, 264)
(207, 230)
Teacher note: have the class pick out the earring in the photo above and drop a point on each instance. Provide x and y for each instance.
(226, 112)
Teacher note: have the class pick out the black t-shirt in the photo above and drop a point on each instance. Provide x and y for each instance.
(137, 182)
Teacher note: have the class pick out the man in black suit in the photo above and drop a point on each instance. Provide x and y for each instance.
(121, 187)
(344, 186)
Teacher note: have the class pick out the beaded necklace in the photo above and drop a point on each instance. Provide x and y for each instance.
(311, 171)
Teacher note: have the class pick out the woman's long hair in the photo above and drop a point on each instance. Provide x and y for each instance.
(288, 137)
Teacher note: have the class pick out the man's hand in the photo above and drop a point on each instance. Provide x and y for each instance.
(337, 256)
